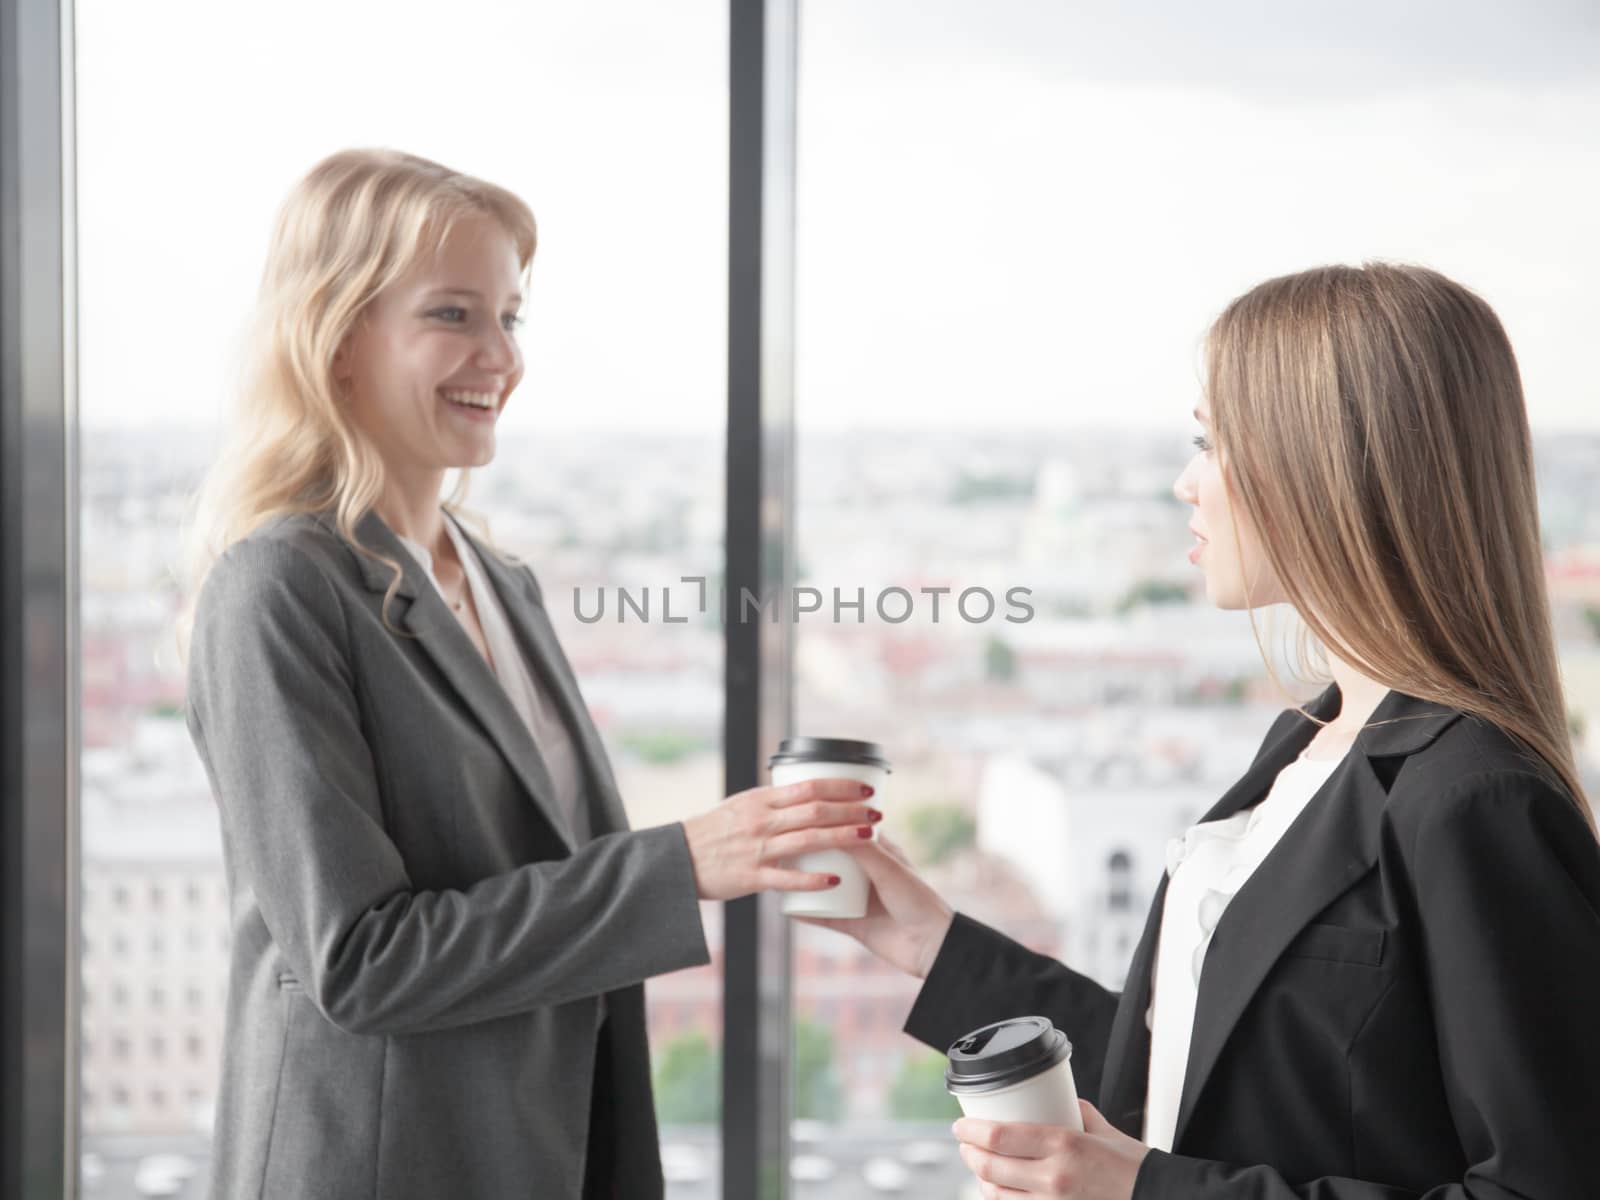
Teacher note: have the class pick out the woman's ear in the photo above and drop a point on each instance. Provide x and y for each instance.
(341, 367)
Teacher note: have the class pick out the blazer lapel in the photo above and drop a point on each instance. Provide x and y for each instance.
(1330, 845)
(1124, 1078)
(1126, 1074)
(542, 651)
(436, 630)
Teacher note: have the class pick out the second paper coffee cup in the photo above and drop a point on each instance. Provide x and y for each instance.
(1016, 1070)
(802, 758)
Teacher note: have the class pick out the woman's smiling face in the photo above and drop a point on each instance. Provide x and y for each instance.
(1228, 562)
(434, 358)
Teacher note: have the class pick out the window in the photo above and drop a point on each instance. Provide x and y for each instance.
(988, 390)
(1119, 892)
(628, 491)
(991, 395)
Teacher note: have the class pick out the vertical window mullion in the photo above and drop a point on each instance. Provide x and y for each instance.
(760, 561)
(38, 609)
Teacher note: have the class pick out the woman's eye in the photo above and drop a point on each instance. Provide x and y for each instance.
(513, 321)
(1200, 443)
(446, 313)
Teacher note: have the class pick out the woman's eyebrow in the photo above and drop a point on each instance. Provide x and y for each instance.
(514, 297)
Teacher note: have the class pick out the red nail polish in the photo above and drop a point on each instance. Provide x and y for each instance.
(864, 832)
(833, 881)
(874, 816)
(866, 790)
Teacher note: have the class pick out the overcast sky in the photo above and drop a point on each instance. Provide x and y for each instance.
(1017, 212)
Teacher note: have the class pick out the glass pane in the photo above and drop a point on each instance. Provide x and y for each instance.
(1016, 220)
(193, 122)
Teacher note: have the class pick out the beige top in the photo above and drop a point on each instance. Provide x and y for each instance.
(533, 705)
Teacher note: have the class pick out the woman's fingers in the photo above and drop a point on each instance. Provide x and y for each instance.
(815, 813)
(880, 861)
(817, 789)
(1022, 1174)
(893, 849)
(805, 841)
(778, 879)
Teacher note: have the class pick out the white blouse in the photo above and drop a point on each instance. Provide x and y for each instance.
(533, 705)
(1207, 865)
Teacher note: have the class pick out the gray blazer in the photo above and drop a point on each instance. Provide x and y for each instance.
(418, 948)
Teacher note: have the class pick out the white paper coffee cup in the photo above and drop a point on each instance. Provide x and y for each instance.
(1016, 1070)
(799, 759)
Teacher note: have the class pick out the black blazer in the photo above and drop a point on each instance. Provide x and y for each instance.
(1404, 998)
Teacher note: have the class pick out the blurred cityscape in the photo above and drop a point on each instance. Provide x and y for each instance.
(1039, 765)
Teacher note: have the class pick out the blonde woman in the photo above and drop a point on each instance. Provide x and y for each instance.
(440, 917)
(1372, 971)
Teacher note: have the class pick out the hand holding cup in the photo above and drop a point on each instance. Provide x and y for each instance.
(741, 845)
(906, 920)
(806, 758)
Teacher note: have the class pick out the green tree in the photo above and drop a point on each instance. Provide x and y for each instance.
(661, 747)
(918, 1092)
(1152, 591)
(816, 1084)
(939, 830)
(688, 1081)
(970, 488)
(999, 661)
(1591, 613)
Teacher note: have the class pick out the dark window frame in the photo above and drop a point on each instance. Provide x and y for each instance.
(39, 637)
(760, 556)
(38, 603)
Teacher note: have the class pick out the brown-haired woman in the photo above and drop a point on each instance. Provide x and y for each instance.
(1373, 969)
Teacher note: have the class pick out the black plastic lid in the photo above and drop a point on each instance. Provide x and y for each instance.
(1004, 1053)
(839, 750)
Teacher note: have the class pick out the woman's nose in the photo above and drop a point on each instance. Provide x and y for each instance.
(498, 350)
(1182, 489)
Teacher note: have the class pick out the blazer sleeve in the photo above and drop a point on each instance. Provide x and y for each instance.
(981, 976)
(1506, 880)
(272, 706)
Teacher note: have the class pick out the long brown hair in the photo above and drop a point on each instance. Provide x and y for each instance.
(355, 223)
(1372, 427)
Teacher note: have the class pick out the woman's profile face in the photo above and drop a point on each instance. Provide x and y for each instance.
(1226, 561)
(434, 358)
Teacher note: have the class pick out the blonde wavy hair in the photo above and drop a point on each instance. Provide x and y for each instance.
(356, 222)
(1371, 425)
